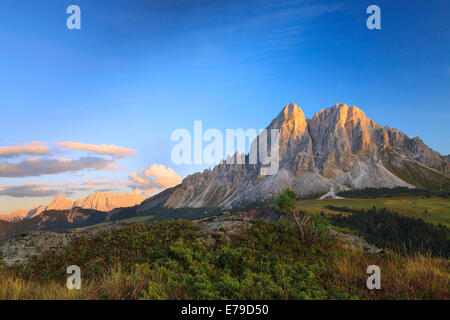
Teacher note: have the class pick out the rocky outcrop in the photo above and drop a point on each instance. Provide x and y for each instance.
(339, 149)
(354, 242)
(223, 228)
(22, 248)
(227, 226)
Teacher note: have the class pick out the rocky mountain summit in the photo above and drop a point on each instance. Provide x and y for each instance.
(102, 201)
(339, 149)
(58, 203)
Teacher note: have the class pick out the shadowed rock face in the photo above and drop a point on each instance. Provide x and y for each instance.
(338, 149)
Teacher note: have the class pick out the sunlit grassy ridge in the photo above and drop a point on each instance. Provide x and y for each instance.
(170, 260)
(139, 219)
(434, 209)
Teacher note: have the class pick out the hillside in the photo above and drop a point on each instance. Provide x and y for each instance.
(223, 259)
(53, 220)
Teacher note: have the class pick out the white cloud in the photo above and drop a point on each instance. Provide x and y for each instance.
(152, 180)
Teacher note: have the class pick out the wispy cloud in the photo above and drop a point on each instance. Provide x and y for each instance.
(34, 148)
(100, 183)
(106, 190)
(103, 149)
(292, 13)
(34, 167)
(35, 190)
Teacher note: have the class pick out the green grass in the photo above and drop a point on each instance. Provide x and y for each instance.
(434, 210)
(137, 219)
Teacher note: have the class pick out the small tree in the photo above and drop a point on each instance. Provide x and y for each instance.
(285, 202)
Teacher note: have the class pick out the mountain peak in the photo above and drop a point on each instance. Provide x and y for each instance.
(58, 203)
(291, 111)
(59, 198)
(102, 201)
(291, 108)
(340, 148)
(291, 116)
(293, 134)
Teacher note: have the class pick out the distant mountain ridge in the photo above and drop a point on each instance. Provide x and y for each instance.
(102, 201)
(99, 201)
(339, 149)
(15, 216)
(52, 220)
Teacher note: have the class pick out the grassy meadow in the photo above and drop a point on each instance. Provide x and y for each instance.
(434, 209)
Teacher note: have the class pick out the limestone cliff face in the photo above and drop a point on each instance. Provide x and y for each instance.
(103, 201)
(293, 137)
(340, 148)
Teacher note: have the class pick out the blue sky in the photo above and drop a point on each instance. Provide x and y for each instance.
(137, 70)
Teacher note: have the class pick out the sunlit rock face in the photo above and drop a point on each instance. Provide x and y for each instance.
(293, 137)
(15, 216)
(103, 201)
(58, 203)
